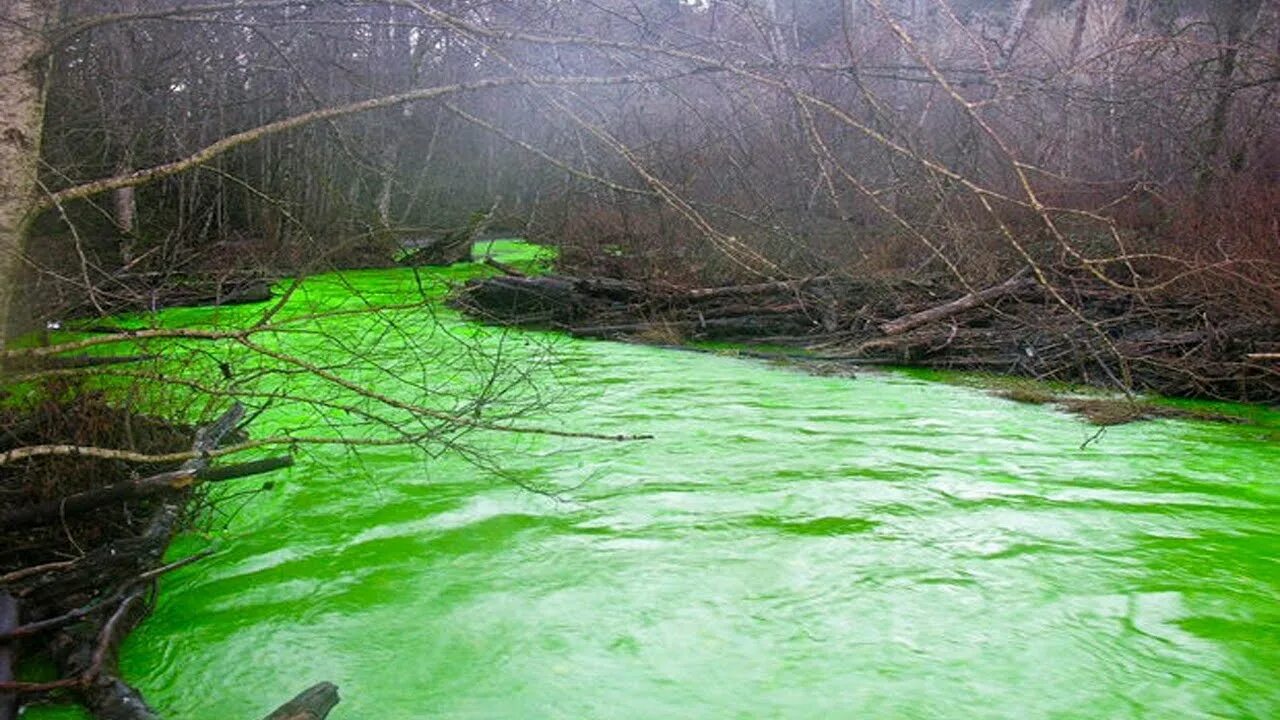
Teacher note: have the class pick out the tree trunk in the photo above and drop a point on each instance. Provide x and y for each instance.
(125, 202)
(1231, 17)
(1077, 33)
(1017, 26)
(21, 115)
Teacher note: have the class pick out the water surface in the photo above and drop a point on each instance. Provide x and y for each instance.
(788, 546)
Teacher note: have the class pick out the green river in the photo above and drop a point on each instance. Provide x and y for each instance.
(787, 546)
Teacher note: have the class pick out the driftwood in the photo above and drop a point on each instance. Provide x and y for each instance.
(957, 306)
(1172, 346)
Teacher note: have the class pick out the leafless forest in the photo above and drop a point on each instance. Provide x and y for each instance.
(1122, 152)
(1066, 189)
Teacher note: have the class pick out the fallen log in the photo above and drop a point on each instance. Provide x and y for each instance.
(179, 479)
(749, 324)
(71, 362)
(113, 584)
(610, 289)
(504, 268)
(736, 290)
(93, 656)
(177, 292)
(511, 298)
(1169, 345)
(53, 623)
(438, 252)
(959, 305)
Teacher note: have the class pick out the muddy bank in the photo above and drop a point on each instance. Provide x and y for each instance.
(1088, 333)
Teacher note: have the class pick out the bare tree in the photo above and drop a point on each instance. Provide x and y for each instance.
(22, 44)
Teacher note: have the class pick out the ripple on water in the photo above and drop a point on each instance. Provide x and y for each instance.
(788, 546)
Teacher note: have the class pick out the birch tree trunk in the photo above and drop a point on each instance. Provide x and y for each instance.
(21, 114)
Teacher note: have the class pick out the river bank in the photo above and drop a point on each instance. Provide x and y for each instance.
(85, 541)
(760, 486)
(788, 545)
(1016, 327)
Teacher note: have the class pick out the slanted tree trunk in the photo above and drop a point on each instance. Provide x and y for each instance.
(1017, 27)
(21, 113)
(1077, 32)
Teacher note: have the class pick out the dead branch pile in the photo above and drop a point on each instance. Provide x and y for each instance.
(145, 292)
(1084, 331)
(82, 542)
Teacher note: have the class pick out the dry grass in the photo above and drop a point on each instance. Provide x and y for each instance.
(1099, 410)
(1028, 395)
(661, 333)
(1119, 411)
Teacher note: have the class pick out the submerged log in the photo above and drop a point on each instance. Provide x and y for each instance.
(434, 252)
(314, 703)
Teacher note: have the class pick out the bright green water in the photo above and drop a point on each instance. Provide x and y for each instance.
(789, 546)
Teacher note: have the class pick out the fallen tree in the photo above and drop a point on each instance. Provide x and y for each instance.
(955, 307)
(1172, 347)
(79, 611)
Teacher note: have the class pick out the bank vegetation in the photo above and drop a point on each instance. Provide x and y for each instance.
(1083, 190)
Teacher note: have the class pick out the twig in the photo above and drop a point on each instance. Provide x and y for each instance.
(164, 569)
(27, 572)
(107, 638)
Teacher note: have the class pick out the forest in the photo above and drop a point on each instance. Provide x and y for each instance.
(244, 240)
